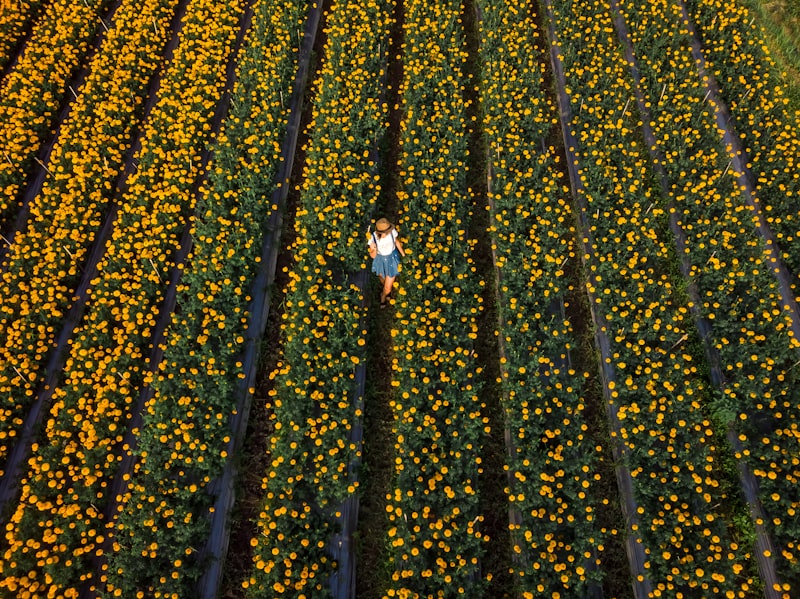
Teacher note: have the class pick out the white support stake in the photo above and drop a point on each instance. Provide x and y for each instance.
(726, 168)
(155, 270)
(679, 341)
(624, 110)
(18, 372)
(44, 166)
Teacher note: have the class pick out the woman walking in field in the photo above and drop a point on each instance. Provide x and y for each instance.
(385, 250)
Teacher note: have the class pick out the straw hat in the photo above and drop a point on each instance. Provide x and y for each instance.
(383, 225)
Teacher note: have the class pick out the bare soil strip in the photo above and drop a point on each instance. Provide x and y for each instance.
(373, 570)
(493, 479)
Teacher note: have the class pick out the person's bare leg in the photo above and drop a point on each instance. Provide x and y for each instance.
(387, 288)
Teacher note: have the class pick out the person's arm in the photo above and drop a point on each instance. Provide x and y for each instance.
(399, 247)
(372, 247)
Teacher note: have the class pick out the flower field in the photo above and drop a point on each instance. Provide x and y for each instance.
(192, 387)
(33, 90)
(42, 269)
(631, 170)
(15, 18)
(733, 278)
(759, 108)
(108, 355)
(667, 440)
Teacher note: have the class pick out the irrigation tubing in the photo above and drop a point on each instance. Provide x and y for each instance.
(642, 587)
(739, 159)
(342, 582)
(35, 184)
(216, 548)
(763, 543)
(514, 514)
(56, 361)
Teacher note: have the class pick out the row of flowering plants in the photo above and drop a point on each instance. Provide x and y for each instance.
(671, 446)
(33, 90)
(183, 441)
(43, 267)
(739, 294)
(553, 462)
(57, 526)
(753, 90)
(14, 19)
(312, 402)
(434, 537)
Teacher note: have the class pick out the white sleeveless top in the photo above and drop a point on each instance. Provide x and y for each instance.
(384, 244)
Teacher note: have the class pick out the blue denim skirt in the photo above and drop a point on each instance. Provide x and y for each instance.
(386, 266)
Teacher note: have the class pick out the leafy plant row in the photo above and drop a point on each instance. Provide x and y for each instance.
(754, 92)
(312, 402)
(182, 444)
(14, 19)
(671, 446)
(33, 90)
(435, 541)
(739, 295)
(44, 266)
(553, 463)
(58, 525)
